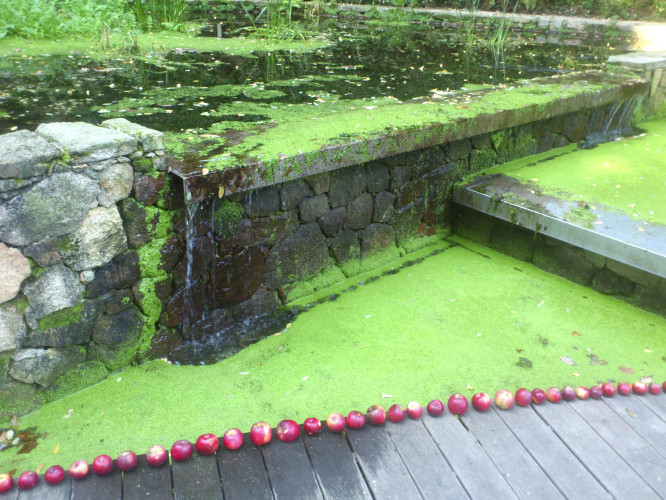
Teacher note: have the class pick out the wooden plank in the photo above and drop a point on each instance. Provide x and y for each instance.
(196, 478)
(510, 457)
(560, 465)
(469, 461)
(381, 465)
(656, 402)
(290, 471)
(599, 458)
(335, 466)
(244, 475)
(641, 419)
(426, 464)
(44, 490)
(147, 482)
(98, 487)
(11, 494)
(627, 443)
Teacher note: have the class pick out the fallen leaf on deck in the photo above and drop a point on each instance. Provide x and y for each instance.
(625, 369)
(631, 413)
(56, 449)
(568, 360)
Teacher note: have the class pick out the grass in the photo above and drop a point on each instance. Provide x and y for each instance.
(464, 320)
(628, 175)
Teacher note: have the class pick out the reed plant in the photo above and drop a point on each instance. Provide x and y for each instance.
(498, 41)
(159, 14)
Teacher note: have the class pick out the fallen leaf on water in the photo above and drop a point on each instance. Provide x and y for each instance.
(524, 363)
(568, 360)
(280, 348)
(641, 229)
(386, 395)
(631, 413)
(625, 369)
(576, 374)
(3, 436)
(305, 378)
(14, 422)
(69, 413)
(595, 361)
(519, 351)
(646, 380)
(648, 351)
(39, 468)
(470, 387)
(56, 449)
(243, 373)
(576, 334)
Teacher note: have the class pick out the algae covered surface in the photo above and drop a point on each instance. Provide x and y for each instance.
(627, 175)
(465, 320)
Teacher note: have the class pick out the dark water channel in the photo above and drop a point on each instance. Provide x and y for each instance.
(173, 91)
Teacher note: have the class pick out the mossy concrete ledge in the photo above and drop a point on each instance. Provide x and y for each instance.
(401, 127)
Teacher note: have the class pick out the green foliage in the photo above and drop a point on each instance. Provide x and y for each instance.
(50, 19)
(159, 14)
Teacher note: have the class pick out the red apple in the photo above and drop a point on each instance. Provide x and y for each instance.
(126, 461)
(639, 388)
(312, 426)
(181, 450)
(654, 388)
(523, 397)
(6, 482)
(504, 399)
(335, 422)
(288, 431)
(79, 469)
(596, 392)
(608, 389)
(481, 401)
(582, 392)
(102, 465)
(457, 404)
(27, 480)
(553, 394)
(207, 444)
(538, 396)
(232, 439)
(261, 433)
(355, 419)
(54, 474)
(396, 413)
(568, 393)
(435, 408)
(414, 410)
(156, 455)
(376, 415)
(623, 388)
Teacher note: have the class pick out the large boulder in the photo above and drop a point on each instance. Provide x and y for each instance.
(298, 257)
(88, 143)
(43, 366)
(56, 288)
(25, 154)
(99, 239)
(14, 268)
(12, 328)
(67, 327)
(53, 207)
(151, 140)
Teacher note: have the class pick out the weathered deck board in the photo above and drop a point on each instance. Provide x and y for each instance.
(290, 470)
(243, 472)
(627, 443)
(469, 461)
(556, 460)
(656, 402)
(335, 467)
(524, 474)
(196, 478)
(641, 419)
(147, 482)
(602, 461)
(98, 487)
(43, 491)
(428, 467)
(12, 494)
(382, 467)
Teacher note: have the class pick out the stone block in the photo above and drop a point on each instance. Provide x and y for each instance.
(262, 202)
(14, 268)
(265, 231)
(12, 328)
(378, 176)
(346, 184)
(44, 253)
(575, 127)
(88, 143)
(633, 274)
(359, 212)
(151, 140)
(405, 221)
(513, 241)
(147, 188)
(43, 366)
(186, 305)
(399, 176)
(121, 272)
(459, 150)
(410, 192)
(383, 206)
(99, 238)
(319, 183)
(67, 327)
(237, 275)
(333, 221)
(376, 238)
(313, 207)
(56, 288)
(345, 248)
(606, 281)
(568, 262)
(292, 193)
(25, 154)
(115, 183)
(52, 207)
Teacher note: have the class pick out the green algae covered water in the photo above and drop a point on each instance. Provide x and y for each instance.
(465, 320)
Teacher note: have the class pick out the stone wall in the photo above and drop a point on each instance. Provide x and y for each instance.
(104, 265)
(603, 274)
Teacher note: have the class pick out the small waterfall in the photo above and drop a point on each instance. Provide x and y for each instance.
(618, 117)
(188, 300)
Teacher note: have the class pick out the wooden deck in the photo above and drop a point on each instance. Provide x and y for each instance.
(609, 448)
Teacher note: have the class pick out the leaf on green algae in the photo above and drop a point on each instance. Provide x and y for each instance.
(524, 363)
(625, 369)
(14, 422)
(595, 361)
(568, 360)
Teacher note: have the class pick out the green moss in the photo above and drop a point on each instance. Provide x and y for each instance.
(21, 303)
(78, 378)
(61, 318)
(227, 216)
(142, 164)
(323, 280)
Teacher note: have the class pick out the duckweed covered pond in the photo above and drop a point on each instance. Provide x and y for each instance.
(467, 319)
